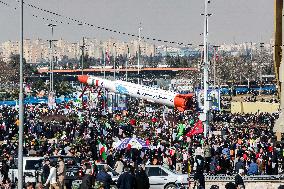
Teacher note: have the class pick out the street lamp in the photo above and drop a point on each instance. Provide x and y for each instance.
(200, 64)
(82, 47)
(114, 61)
(260, 67)
(51, 66)
(206, 109)
(138, 58)
(21, 99)
(83, 54)
(126, 63)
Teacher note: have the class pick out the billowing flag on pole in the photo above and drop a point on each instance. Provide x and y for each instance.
(103, 149)
(197, 129)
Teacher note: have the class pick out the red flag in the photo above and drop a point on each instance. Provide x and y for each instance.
(154, 120)
(197, 129)
(147, 142)
(132, 122)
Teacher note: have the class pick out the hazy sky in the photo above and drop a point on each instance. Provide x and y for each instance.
(173, 20)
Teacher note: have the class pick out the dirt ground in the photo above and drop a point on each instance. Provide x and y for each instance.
(241, 98)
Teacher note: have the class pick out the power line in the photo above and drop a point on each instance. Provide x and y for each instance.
(100, 27)
(34, 15)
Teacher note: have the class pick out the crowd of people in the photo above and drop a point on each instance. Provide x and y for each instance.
(236, 141)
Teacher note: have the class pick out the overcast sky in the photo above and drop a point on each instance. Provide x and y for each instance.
(173, 20)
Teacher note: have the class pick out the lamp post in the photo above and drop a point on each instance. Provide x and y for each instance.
(83, 54)
(126, 63)
(105, 96)
(206, 109)
(51, 66)
(138, 58)
(200, 64)
(114, 61)
(82, 69)
(21, 99)
(260, 67)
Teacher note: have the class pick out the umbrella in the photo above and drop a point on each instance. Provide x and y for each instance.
(133, 142)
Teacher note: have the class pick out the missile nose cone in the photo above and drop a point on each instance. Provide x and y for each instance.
(83, 78)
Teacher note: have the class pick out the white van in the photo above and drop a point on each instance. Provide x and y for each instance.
(31, 167)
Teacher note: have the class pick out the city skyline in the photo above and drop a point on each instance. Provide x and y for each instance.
(181, 21)
(38, 50)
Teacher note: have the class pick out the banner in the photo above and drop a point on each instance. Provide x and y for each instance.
(51, 100)
(213, 97)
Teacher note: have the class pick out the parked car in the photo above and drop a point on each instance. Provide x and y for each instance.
(161, 177)
(72, 166)
(31, 168)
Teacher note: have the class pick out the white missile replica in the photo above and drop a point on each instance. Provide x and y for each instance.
(180, 101)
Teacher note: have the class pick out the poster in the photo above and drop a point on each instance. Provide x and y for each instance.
(51, 100)
(213, 97)
(116, 101)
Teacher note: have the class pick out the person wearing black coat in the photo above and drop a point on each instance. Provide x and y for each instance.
(87, 180)
(198, 175)
(45, 171)
(141, 179)
(239, 182)
(5, 170)
(126, 180)
(104, 177)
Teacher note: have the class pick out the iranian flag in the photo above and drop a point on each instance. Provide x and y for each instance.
(103, 149)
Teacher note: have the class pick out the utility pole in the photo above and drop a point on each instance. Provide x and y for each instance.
(83, 54)
(139, 40)
(126, 63)
(114, 62)
(104, 54)
(51, 86)
(251, 52)
(21, 99)
(200, 65)
(260, 67)
(105, 96)
(83, 50)
(206, 109)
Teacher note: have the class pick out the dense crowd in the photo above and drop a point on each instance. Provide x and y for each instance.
(236, 141)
